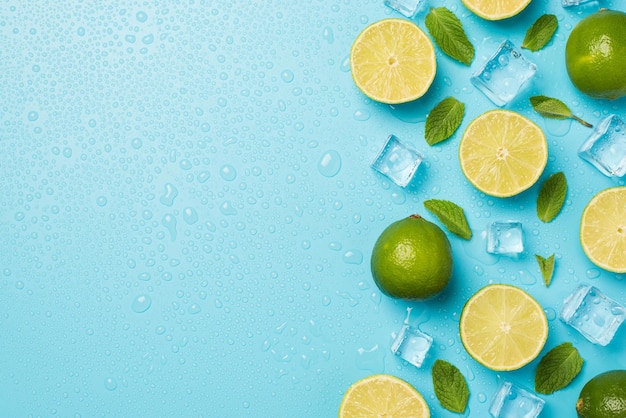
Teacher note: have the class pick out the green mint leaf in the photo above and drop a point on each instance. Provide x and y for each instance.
(451, 216)
(546, 265)
(557, 368)
(551, 197)
(540, 33)
(449, 35)
(552, 108)
(450, 386)
(444, 120)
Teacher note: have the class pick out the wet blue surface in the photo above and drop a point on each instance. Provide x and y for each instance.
(188, 209)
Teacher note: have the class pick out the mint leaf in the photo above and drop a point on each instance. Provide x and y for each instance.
(546, 265)
(451, 216)
(444, 120)
(552, 108)
(557, 368)
(540, 32)
(551, 197)
(450, 386)
(449, 35)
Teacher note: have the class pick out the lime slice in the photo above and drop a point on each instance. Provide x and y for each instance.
(502, 153)
(382, 395)
(393, 61)
(496, 9)
(603, 229)
(502, 327)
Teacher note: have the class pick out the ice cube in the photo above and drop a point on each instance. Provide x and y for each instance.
(412, 345)
(513, 401)
(593, 314)
(505, 238)
(605, 148)
(504, 75)
(397, 161)
(409, 8)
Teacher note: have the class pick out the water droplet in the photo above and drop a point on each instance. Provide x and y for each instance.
(593, 273)
(335, 246)
(330, 163)
(141, 303)
(227, 208)
(228, 172)
(203, 176)
(194, 309)
(19, 216)
(110, 383)
(141, 16)
(287, 76)
(169, 222)
(353, 257)
(170, 194)
(101, 201)
(33, 116)
(328, 34)
(372, 359)
(190, 216)
(136, 143)
(361, 115)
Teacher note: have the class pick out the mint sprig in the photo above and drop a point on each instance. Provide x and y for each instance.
(557, 368)
(451, 216)
(449, 35)
(546, 265)
(450, 386)
(444, 120)
(552, 108)
(551, 197)
(540, 32)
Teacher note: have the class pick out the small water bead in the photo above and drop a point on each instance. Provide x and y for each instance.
(361, 115)
(227, 208)
(171, 192)
(190, 216)
(345, 64)
(353, 257)
(203, 176)
(228, 172)
(287, 76)
(80, 31)
(328, 34)
(19, 216)
(148, 39)
(593, 273)
(329, 164)
(136, 143)
(169, 222)
(194, 308)
(33, 116)
(110, 383)
(141, 16)
(141, 303)
(101, 201)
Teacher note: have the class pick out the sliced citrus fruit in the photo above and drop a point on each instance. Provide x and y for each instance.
(383, 395)
(502, 327)
(393, 61)
(502, 153)
(496, 9)
(603, 229)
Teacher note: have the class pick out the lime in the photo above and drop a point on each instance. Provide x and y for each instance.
(496, 9)
(595, 54)
(412, 259)
(603, 396)
(383, 395)
(603, 229)
(502, 327)
(393, 61)
(502, 153)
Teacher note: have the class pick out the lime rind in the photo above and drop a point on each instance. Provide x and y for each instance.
(496, 9)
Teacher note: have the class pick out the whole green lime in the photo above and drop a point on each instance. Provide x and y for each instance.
(595, 54)
(604, 396)
(412, 259)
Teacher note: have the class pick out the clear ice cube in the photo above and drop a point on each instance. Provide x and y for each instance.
(594, 315)
(505, 238)
(569, 3)
(513, 401)
(397, 161)
(409, 8)
(605, 148)
(504, 75)
(412, 345)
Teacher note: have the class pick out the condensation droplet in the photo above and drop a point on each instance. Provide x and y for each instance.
(110, 383)
(141, 303)
(170, 194)
(329, 164)
(287, 76)
(353, 257)
(228, 172)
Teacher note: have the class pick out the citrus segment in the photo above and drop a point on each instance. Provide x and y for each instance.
(383, 395)
(502, 153)
(496, 9)
(603, 229)
(393, 61)
(502, 327)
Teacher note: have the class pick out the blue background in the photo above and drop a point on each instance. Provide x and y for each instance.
(173, 245)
